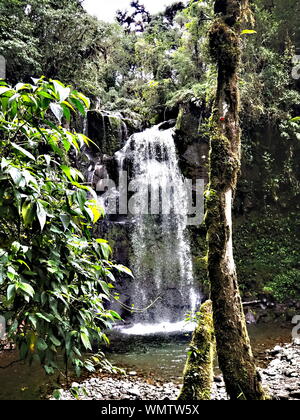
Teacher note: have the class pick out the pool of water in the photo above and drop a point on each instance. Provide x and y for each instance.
(161, 358)
(21, 381)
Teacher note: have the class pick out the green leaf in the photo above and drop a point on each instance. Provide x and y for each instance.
(116, 315)
(28, 213)
(41, 214)
(248, 32)
(57, 393)
(55, 341)
(15, 174)
(67, 171)
(86, 341)
(22, 86)
(68, 105)
(41, 345)
(81, 198)
(11, 292)
(97, 211)
(106, 250)
(11, 273)
(295, 119)
(123, 269)
(57, 110)
(33, 320)
(62, 91)
(4, 89)
(26, 288)
(14, 97)
(67, 113)
(24, 263)
(78, 105)
(41, 316)
(23, 151)
(66, 144)
(66, 220)
(49, 370)
(84, 99)
(87, 188)
(45, 95)
(101, 241)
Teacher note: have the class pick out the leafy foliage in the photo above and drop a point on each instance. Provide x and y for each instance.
(55, 278)
(60, 40)
(266, 252)
(285, 286)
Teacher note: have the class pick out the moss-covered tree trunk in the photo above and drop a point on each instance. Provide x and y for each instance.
(198, 372)
(233, 345)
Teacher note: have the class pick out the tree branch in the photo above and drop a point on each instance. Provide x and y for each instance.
(10, 364)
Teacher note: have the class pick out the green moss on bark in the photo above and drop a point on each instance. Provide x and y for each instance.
(224, 46)
(198, 372)
(241, 377)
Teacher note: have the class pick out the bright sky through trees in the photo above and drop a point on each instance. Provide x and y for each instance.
(106, 10)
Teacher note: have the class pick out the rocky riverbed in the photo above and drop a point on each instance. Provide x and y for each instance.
(128, 388)
(281, 378)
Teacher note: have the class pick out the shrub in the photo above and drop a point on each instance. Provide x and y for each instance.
(54, 276)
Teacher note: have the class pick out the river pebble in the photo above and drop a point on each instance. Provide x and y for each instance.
(281, 378)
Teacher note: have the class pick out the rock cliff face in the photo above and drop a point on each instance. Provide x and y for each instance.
(109, 131)
(192, 146)
(270, 175)
(269, 184)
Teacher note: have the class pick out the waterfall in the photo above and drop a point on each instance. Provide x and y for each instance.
(161, 256)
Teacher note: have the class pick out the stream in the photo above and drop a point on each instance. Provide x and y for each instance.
(160, 358)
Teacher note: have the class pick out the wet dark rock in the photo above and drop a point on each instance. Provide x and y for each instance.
(295, 394)
(283, 397)
(276, 351)
(110, 130)
(132, 373)
(270, 373)
(192, 146)
(167, 124)
(250, 317)
(135, 391)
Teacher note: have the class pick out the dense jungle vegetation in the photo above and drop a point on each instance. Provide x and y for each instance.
(148, 68)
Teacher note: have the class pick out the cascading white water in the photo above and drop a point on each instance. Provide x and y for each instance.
(161, 260)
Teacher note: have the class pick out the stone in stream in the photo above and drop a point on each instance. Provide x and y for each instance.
(295, 394)
(135, 391)
(283, 397)
(133, 373)
(276, 351)
(270, 373)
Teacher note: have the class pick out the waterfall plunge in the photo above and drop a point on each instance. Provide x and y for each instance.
(161, 260)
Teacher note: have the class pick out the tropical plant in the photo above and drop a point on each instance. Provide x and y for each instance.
(55, 278)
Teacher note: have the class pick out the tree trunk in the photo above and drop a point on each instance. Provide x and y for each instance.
(198, 372)
(233, 345)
